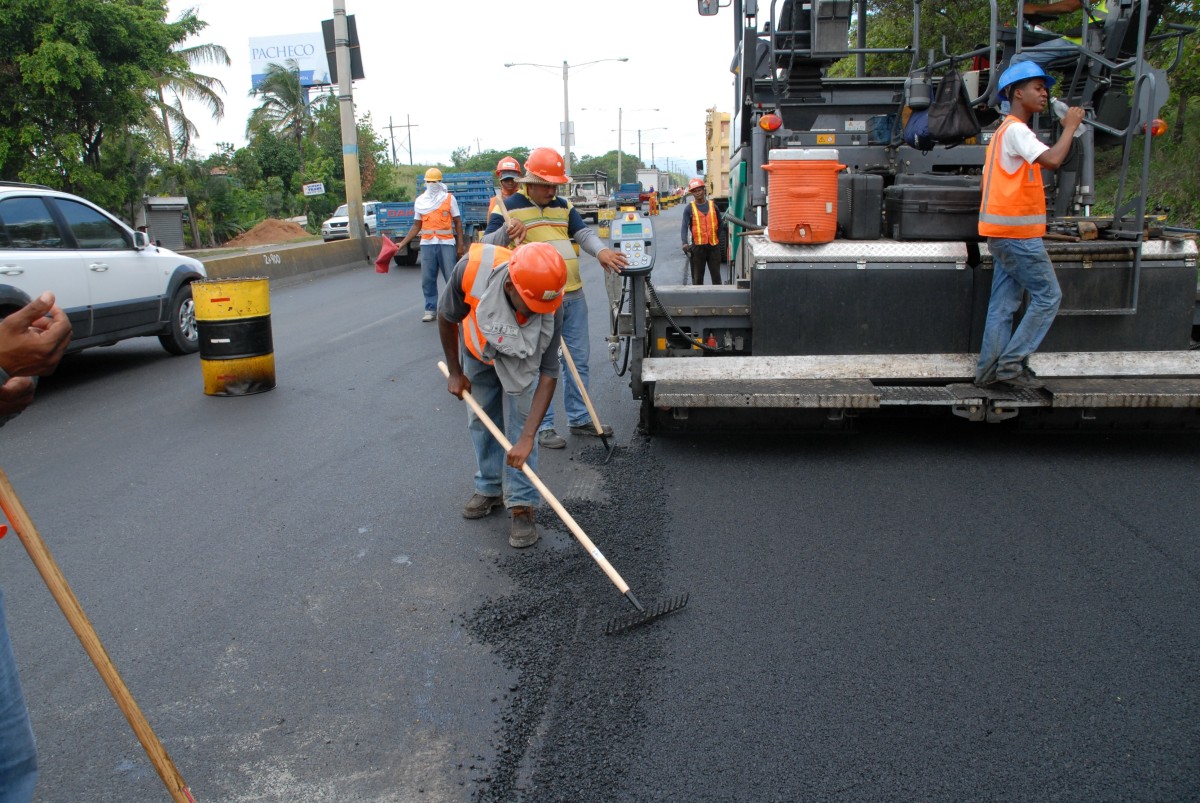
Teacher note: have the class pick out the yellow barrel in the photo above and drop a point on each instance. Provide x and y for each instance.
(233, 317)
(604, 229)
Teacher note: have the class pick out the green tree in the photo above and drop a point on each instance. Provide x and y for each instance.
(181, 83)
(73, 72)
(285, 107)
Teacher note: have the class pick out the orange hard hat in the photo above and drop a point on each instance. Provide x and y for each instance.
(545, 165)
(539, 273)
(696, 184)
(508, 165)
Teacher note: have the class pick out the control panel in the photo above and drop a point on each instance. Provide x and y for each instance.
(633, 236)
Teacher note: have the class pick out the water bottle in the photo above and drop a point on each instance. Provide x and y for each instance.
(1060, 111)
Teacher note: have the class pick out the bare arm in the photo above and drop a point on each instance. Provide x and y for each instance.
(1053, 158)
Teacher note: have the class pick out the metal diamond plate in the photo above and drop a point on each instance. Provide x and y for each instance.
(872, 251)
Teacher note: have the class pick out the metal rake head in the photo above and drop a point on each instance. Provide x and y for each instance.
(662, 608)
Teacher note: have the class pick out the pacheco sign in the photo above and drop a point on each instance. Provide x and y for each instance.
(307, 49)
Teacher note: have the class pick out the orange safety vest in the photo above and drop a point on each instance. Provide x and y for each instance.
(474, 282)
(704, 225)
(438, 223)
(1013, 204)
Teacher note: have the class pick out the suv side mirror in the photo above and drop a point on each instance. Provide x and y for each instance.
(141, 240)
(707, 8)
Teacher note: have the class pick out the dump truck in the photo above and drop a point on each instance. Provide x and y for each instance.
(888, 315)
(715, 167)
(588, 192)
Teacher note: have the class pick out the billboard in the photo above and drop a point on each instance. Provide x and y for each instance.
(308, 49)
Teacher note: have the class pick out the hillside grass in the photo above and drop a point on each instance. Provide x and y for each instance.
(1174, 185)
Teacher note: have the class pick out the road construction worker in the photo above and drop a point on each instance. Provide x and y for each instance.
(652, 201)
(508, 170)
(1012, 215)
(508, 307)
(438, 220)
(702, 234)
(537, 214)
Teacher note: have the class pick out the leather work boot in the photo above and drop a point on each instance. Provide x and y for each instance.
(590, 429)
(524, 531)
(479, 505)
(549, 439)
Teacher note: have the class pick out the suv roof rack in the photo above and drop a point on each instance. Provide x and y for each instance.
(24, 184)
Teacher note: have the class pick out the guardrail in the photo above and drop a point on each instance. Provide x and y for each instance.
(294, 261)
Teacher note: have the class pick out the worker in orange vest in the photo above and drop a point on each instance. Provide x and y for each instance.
(500, 323)
(438, 220)
(653, 202)
(702, 224)
(508, 170)
(1012, 215)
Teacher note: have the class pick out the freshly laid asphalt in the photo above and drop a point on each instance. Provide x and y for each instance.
(930, 610)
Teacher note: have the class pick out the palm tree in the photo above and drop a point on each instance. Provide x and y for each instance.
(285, 109)
(179, 83)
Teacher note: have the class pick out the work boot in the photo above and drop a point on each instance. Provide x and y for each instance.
(549, 439)
(479, 505)
(1027, 379)
(524, 531)
(590, 429)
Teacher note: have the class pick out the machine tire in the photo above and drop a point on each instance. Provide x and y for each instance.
(182, 336)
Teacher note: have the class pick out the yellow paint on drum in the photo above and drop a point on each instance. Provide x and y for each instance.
(231, 298)
(604, 231)
(238, 377)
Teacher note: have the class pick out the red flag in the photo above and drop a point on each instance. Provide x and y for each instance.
(385, 255)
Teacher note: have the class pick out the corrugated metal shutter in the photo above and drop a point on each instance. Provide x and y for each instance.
(166, 227)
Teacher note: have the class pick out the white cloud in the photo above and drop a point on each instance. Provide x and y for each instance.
(440, 65)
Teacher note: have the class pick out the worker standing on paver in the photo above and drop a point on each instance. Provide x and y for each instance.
(1012, 216)
(438, 220)
(508, 170)
(508, 304)
(702, 234)
(537, 214)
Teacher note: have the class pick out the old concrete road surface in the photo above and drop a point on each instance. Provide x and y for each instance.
(914, 612)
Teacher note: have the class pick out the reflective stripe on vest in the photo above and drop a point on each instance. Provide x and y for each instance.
(438, 223)
(482, 259)
(549, 225)
(704, 225)
(1013, 205)
(1097, 17)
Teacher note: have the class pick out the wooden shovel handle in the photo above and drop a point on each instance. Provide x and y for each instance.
(582, 390)
(14, 511)
(575, 529)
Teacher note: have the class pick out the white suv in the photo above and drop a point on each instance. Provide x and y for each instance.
(338, 226)
(112, 283)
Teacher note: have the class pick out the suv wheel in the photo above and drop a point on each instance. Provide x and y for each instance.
(181, 337)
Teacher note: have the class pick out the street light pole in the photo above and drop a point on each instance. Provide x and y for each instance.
(566, 69)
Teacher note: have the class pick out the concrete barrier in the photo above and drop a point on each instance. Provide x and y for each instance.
(288, 262)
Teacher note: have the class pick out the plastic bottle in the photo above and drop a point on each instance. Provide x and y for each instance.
(1060, 111)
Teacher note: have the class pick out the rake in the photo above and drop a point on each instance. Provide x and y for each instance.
(642, 614)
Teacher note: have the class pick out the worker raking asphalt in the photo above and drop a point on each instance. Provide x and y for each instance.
(575, 707)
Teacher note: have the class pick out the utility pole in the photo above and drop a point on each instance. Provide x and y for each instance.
(392, 133)
(354, 201)
(409, 125)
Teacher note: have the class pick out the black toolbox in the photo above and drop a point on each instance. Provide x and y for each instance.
(933, 207)
(860, 206)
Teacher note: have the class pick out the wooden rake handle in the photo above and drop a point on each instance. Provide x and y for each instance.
(574, 527)
(582, 390)
(15, 512)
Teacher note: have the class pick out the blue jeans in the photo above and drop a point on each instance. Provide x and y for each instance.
(1019, 266)
(509, 411)
(435, 259)
(575, 335)
(18, 754)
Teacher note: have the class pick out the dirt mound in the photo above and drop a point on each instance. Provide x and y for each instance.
(269, 232)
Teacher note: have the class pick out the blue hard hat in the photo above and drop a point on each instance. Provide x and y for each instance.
(1022, 71)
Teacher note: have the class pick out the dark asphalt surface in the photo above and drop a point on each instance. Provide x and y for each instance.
(917, 611)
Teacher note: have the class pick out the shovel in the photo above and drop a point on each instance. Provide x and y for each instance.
(587, 401)
(14, 511)
(643, 614)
